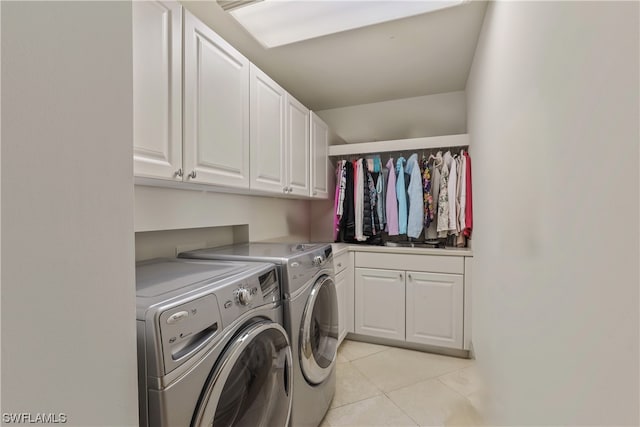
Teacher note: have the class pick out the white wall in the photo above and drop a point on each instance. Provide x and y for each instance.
(267, 217)
(553, 117)
(68, 301)
(431, 115)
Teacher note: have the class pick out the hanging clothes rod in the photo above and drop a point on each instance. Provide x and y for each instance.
(403, 145)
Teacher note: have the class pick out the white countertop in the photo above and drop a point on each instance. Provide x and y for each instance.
(339, 248)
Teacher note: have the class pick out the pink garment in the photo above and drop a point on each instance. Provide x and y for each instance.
(391, 201)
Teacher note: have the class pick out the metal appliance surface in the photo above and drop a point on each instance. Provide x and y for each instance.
(310, 316)
(211, 345)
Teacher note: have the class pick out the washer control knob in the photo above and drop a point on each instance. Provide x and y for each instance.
(317, 261)
(243, 296)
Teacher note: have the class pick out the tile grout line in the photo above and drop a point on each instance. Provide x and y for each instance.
(368, 355)
(435, 377)
(366, 379)
(401, 410)
(358, 401)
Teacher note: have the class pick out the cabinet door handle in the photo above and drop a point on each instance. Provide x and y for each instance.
(339, 265)
(401, 275)
(290, 190)
(192, 175)
(179, 173)
(409, 276)
(285, 190)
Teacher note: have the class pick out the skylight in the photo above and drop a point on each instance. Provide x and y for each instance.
(279, 22)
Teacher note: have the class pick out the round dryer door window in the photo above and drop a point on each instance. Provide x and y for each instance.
(251, 384)
(319, 331)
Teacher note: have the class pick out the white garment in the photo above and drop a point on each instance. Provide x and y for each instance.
(359, 201)
(451, 189)
(463, 192)
(432, 231)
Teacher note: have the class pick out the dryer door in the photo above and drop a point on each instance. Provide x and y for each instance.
(251, 384)
(319, 331)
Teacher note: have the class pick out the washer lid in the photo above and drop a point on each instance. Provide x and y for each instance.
(160, 276)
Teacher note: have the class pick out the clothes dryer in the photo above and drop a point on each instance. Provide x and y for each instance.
(310, 317)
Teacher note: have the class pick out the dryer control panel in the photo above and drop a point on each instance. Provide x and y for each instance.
(186, 328)
(250, 293)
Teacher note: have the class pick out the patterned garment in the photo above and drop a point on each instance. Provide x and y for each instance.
(428, 197)
(343, 185)
(443, 198)
(373, 197)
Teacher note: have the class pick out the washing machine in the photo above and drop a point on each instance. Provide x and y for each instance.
(310, 317)
(211, 346)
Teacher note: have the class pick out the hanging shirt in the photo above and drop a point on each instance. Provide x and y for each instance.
(348, 220)
(468, 219)
(453, 180)
(401, 194)
(443, 196)
(371, 213)
(377, 164)
(415, 216)
(463, 192)
(427, 197)
(336, 203)
(434, 168)
(359, 200)
(343, 185)
(384, 177)
(460, 239)
(379, 183)
(391, 202)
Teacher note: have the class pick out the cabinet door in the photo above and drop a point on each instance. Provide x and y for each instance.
(341, 287)
(350, 295)
(435, 305)
(267, 147)
(216, 108)
(157, 89)
(297, 146)
(319, 158)
(380, 300)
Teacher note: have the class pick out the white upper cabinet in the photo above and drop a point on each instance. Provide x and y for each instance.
(268, 142)
(157, 89)
(319, 157)
(216, 108)
(204, 114)
(297, 137)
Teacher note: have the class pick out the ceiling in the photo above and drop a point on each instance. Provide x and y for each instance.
(421, 55)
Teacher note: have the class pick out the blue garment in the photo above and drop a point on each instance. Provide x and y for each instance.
(377, 164)
(415, 193)
(401, 194)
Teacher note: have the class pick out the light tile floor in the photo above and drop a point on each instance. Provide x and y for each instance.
(387, 386)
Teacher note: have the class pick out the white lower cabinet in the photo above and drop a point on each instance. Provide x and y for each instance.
(435, 307)
(380, 303)
(410, 306)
